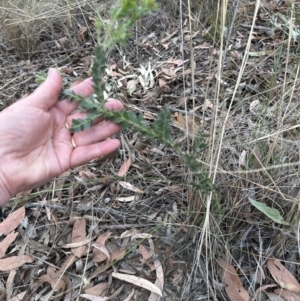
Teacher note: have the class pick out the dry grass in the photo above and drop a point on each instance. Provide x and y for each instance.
(28, 26)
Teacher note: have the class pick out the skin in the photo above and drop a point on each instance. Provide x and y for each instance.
(35, 144)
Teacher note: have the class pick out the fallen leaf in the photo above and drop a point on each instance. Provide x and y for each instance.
(97, 289)
(282, 276)
(169, 258)
(102, 249)
(144, 252)
(67, 263)
(78, 236)
(100, 256)
(181, 122)
(12, 221)
(287, 295)
(127, 199)
(272, 213)
(93, 298)
(76, 244)
(141, 235)
(159, 282)
(146, 284)
(81, 34)
(181, 101)
(152, 95)
(124, 167)
(254, 104)
(10, 263)
(117, 255)
(6, 242)
(234, 289)
(131, 86)
(57, 281)
(130, 187)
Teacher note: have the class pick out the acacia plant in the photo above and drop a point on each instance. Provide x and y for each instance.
(125, 16)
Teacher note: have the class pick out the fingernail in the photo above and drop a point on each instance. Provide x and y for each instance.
(50, 72)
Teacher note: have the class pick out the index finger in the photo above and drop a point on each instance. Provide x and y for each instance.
(84, 89)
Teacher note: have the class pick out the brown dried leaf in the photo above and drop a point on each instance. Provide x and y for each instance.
(81, 34)
(101, 240)
(181, 101)
(138, 281)
(78, 236)
(170, 259)
(5, 243)
(282, 276)
(144, 252)
(152, 95)
(180, 121)
(98, 289)
(117, 255)
(102, 253)
(124, 167)
(234, 289)
(67, 263)
(56, 280)
(14, 262)
(12, 221)
(287, 295)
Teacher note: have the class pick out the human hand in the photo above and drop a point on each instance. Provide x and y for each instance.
(35, 144)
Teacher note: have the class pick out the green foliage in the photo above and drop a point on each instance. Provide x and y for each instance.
(126, 15)
(272, 213)
(41, 77)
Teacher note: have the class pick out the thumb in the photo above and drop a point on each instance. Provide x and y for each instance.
(47, 94)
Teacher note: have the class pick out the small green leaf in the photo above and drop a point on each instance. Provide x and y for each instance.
(41, 77)
(272, 213)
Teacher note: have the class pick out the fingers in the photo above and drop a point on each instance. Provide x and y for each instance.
(46, 95)
(84, 89)
(96, 133)
(83, 154)
(111, 104)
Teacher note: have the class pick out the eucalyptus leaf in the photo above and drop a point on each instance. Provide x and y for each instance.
(272, 213)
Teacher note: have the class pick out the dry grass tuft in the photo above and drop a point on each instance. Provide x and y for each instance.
(27, 24)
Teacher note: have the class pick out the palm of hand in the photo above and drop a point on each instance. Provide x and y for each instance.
(35, 144)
